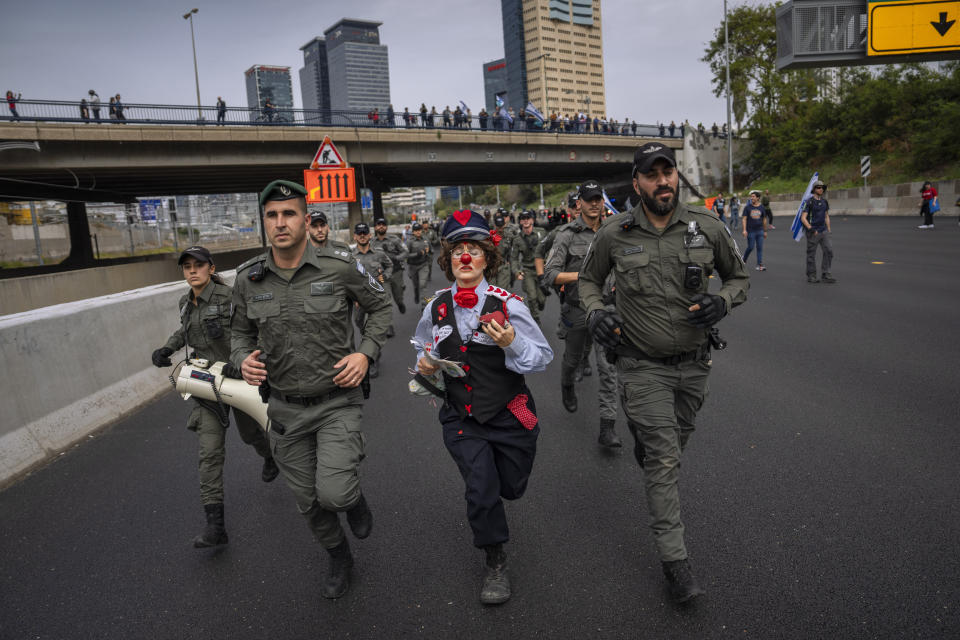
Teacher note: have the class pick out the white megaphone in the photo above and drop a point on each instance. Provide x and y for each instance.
(204, 380)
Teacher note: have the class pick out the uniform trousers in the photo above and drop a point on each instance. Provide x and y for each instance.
(661, 402)
(396, 285)
(418, 276)
(821, 240)
(495, 459)
(319, 454)
(533, 296)
(211, 440)
(576, 353)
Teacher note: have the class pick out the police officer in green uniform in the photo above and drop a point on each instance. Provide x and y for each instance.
(393, 246)
(377, 264)
(292, 331)
(663, 253)
(562, 269)
(205, 331)
(523, 253)
(503, 278)
(418, 259)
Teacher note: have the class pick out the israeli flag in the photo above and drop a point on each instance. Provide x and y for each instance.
(499, 101)
(464, 105)
(608, 204)
(532, 110)
(506, 115)
(797, 227)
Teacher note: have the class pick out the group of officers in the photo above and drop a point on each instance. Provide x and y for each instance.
(634, 284)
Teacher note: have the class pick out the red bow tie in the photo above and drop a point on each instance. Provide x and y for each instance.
(466, 298)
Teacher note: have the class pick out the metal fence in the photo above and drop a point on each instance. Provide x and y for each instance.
(161, 114)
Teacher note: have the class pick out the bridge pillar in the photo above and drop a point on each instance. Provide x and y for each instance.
(378, 204)
(81, 247)
(355, 215)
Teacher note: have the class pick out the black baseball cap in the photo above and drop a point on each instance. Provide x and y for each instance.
(572, 199)
(415, 226)
(200, 253)
(526, 213)
(361, 228)
(590, 189)
(316, 216)
(379, 221)
(499, 220)
(645, 156)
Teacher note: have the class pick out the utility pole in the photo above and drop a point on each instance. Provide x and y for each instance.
(726, 47)
(196, 73)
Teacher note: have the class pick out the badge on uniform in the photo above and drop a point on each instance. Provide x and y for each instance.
(376, 286)
(321, 288)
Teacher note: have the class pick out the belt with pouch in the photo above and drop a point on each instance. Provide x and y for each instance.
(630, 351)
(306, 401)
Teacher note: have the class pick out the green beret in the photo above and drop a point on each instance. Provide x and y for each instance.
(282, 190)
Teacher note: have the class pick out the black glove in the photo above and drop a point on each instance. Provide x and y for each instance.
(712, 308)
(605, 327)
(161, 357)
(544, 285)
(230, 371)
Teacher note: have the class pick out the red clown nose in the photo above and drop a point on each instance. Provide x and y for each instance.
(465, 258)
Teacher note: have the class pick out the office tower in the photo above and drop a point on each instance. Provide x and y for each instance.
(315, 80)
(494, 83)
(358, 66)
(271, 83)
(553, 51)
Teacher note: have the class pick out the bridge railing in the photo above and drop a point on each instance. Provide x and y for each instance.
(163, 114)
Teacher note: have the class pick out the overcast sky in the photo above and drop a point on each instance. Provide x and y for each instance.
(58, 49)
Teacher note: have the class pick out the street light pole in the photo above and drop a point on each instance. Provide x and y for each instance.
(726, 46)
(196, 73)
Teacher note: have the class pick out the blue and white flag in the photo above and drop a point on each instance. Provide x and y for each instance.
(464, 105)
(608, 204)
(532, 110)
(506, 115)
(499, 101)
(797, 227)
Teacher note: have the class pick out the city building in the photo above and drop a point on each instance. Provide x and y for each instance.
(269, 83)
(553, 51)
(315, 80)
(405, 201)
(347, 69)
(494, 83)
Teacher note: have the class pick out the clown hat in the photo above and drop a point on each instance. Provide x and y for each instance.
(465, 225)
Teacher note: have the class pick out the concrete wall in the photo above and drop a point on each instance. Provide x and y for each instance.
(884, 200)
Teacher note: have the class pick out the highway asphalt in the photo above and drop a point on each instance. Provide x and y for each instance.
(819, 493)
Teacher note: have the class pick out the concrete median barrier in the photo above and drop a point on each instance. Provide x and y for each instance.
(76, 367)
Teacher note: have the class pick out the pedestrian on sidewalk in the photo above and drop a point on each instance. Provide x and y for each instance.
(489, 418)
(221, 110)
(84, 110)
(815, 217)
(94, 104)
(929, 204)
(767, 211)
(754, 228)
(12, 104)
(205, 331)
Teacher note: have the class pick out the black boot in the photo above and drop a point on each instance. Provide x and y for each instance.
(215, 534)
(496, 583)
(270, 470)
(569, 396)
(360, 519)
(608, 437)
(638, 451)
(683, 586)
(338, 580)
(391, 331)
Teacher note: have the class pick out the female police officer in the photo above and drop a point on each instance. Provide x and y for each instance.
(205, 328)
(489, 417)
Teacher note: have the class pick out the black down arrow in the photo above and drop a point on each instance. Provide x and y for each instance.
(944, 25)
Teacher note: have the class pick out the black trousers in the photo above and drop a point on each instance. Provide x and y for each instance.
(495, 460)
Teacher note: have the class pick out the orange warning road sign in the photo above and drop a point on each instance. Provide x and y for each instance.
(327, 156)
(330, 185)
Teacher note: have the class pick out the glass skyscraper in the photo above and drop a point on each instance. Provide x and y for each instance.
(269, 83)
(347, 69)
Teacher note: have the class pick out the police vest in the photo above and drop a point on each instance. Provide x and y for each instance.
(488, 385)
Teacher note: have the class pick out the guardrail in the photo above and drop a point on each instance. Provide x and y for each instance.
(163, 114)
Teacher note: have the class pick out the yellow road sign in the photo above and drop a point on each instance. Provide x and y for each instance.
(912, 26)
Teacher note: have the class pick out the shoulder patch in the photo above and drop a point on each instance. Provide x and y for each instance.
(260, 258)
(335, 251)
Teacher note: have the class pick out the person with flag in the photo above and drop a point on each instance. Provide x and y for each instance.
(815, 217)
(489, 418)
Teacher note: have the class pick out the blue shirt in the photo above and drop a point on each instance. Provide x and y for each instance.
(816, 211)
(753, 214)
(528, 353)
